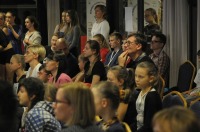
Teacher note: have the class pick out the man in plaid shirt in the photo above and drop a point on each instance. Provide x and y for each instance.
(159, 56)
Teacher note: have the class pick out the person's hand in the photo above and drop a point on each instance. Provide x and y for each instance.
(26, 41)
(9, 25)
(123, 58)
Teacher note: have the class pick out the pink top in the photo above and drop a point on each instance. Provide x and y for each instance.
(62, 79)
(103, 52)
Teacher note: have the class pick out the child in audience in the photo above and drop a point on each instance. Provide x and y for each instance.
(37, 116)
(175, 119)
(74, 106)
(123, 78)
(34, 55)
(17, 65)
(104, 48)
(107, 99)
(56, 64)
(148, 101)
(81, 63)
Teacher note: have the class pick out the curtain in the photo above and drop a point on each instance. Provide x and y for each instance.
(175, 27)
(53, 17)
(198, 29)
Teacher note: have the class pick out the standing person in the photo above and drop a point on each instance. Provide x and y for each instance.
(94, 68)
(61, 28)
(74, 106)
(175, 119)
(37, 116)
(32, 36)
(14, 32)
(101, 26)
(148, 101)
(52, 48)
(107, 99)
(6, 51)
(73, 32)
(159, 56)
(152, 26)
(71, 68)
(8, 108)
(56, 64)
(104, 48)
(17, 65)
(115, 40)
(34, 55)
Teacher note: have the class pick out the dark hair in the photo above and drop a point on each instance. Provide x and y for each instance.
(94, 45)
(110, 91)
(139, 39)
(74, 20)
(33, 86)
(161, 36)
(103, 9)
(60, 57)
(8, 107)
(33, 20)
(42, 67)
(117, 36)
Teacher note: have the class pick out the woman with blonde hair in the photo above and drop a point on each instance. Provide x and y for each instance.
(74, 106)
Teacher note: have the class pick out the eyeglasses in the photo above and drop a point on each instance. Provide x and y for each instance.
(128, 43)
(60, 101)
(154, 41)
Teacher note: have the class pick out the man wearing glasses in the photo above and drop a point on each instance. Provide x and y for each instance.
(159, 56)
(135, 47)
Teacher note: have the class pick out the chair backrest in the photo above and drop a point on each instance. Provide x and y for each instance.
(186, 76)
(127, 127)
(172, 99)
(160, 86)
(195, 107)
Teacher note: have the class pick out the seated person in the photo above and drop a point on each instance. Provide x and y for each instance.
(107, 99)
(194, 93)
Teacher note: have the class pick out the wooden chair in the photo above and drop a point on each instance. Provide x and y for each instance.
(174, 98)
(160, 86)
(195, 107)
(186, 76)
(127, 127)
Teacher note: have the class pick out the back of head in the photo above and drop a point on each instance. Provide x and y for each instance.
(176, 119)
(110, 91)
(81, 99)
(34, 87)
(8, 107)
(139, 39)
